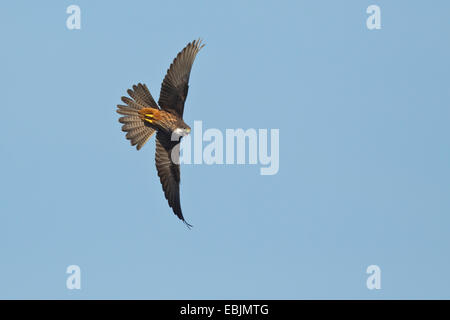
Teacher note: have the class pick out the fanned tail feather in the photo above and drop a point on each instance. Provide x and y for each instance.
(137, 131)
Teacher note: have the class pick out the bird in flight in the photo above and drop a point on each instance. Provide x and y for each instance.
(142, 117)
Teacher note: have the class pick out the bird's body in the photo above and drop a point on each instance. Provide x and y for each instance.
(163, 120)
(142, 117)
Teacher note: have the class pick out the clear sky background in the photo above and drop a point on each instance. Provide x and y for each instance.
(364, 151)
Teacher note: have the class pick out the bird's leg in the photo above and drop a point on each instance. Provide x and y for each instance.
(149, 114)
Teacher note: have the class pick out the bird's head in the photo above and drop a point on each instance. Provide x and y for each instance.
(182, 131)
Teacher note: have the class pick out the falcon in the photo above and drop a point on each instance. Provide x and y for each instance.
(142, 117)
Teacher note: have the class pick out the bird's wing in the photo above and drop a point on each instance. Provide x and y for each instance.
(137, 130)
(174, 88)
(168, 171)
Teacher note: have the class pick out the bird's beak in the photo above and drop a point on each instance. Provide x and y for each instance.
(188, 130)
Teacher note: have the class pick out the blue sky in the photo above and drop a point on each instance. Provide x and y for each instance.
(364, 151)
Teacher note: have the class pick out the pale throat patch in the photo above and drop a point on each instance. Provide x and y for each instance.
(181, 132)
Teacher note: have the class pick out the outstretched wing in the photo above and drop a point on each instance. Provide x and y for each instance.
(137, 130)
(174, 88)
(169, 172)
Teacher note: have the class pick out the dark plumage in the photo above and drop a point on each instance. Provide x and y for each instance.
(142, 117)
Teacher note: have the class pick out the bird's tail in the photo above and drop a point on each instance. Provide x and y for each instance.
(138, 132)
